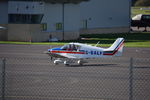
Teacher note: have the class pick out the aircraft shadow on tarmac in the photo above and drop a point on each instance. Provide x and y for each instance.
(146, 67)
(94, 65)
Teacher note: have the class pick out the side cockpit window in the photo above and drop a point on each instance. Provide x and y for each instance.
(64, 47)
(70, 47)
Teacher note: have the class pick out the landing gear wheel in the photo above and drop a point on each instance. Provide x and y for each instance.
(80, 62)
(66, 63)
(57, 61)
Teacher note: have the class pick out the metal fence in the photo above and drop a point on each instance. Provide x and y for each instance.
(100, 79)
(2, 78)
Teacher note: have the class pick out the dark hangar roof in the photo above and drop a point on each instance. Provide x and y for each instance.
(55, 1)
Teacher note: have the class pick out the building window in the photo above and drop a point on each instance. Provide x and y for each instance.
(44, 27)
(25, 18)
(58, 26)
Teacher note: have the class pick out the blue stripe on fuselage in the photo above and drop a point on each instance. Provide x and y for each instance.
(54, 49)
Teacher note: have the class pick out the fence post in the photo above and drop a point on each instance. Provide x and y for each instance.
(131, 79)
(3, 79)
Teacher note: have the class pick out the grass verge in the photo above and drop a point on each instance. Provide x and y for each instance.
(139, 10)
(131, 40)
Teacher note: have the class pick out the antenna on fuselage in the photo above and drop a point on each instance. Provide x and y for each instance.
(97, 43)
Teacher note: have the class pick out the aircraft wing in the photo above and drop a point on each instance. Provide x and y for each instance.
(68, 56)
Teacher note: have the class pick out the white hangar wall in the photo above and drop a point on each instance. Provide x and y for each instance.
(3, 19)
(53, 14)
(93, 16)
(111, 15)
(72, 17)
(3, 12)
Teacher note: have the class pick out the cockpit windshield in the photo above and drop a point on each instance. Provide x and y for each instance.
(70, 47)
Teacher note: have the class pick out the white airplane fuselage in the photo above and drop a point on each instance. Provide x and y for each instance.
(81, 51)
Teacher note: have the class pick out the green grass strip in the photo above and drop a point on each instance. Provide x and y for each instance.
(131, 40)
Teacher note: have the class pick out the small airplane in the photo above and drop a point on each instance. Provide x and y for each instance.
(1, 27)
(141, 20)
(81, 51)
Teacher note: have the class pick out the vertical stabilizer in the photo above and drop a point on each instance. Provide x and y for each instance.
(116, 48)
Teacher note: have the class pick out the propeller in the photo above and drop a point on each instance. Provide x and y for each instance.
(47, 52)
(50, 46)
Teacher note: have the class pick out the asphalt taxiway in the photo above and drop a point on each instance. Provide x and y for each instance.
(31, 75)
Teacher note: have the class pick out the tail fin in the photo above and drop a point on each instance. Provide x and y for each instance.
(116, 48)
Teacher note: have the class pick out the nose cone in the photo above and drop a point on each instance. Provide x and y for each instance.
(48, 51)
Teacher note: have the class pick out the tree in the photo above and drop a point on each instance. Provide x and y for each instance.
(133, 2)
(142, 3)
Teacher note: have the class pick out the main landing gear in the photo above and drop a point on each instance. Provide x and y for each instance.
(68, 62)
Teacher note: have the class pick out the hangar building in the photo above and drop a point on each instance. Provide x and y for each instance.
(39, 20)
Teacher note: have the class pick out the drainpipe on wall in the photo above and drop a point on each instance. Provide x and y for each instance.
(63, 20)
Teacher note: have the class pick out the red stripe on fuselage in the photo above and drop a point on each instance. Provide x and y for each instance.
(70, 52)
